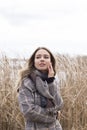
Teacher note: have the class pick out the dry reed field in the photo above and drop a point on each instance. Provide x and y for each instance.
(72, 73)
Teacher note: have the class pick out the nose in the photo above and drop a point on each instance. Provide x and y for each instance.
(42, 58)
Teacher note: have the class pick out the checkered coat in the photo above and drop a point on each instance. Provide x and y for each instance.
(36, 117)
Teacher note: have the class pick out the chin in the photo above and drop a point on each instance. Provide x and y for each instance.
(44, 70)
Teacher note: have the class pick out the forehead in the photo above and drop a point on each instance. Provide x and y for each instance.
(42, 52)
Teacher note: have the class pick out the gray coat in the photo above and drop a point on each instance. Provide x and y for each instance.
(36, 117)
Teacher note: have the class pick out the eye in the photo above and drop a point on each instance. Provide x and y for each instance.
(46, 57)
(38, 57)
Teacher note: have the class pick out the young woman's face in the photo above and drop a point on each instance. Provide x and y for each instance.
(42, 60)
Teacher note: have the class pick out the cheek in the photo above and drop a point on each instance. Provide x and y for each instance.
(48, 62)
(35, 63)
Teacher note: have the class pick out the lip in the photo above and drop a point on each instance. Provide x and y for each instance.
(42, 64)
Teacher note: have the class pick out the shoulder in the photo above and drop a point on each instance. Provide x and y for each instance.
(57, 82)
(27, 84)
(56, 79)
(27, 81)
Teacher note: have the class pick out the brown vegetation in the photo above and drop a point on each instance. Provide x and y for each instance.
(72, 73)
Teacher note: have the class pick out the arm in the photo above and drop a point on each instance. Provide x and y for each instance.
(55, 91)
(31, 111)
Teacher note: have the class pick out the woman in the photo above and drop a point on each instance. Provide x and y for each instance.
(38, 94)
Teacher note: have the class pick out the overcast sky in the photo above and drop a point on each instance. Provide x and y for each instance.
(60, 25)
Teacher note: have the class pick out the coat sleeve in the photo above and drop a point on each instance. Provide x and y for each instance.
(31, 111)
(55, 91)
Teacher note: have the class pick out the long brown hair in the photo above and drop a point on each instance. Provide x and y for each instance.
(30, 64)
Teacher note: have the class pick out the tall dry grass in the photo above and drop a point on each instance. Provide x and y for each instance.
(72, 73)
(10, 116)
(73, 81)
